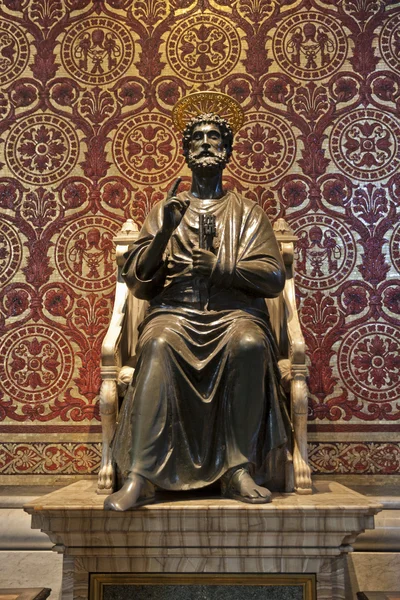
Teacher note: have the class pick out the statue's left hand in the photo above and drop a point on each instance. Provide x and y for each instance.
(203, 262)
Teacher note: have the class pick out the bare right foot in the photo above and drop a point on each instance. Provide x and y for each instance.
(135, 492)
(239, 485)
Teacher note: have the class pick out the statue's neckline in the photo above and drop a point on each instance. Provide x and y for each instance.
(207, 205)
(207, 200)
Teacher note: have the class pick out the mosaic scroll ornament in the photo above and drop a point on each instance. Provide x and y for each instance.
(10, 252)
(85, 253)
(41, 149)
(354, 457)
(255, 11)
(369, 362)
(390, 43)
(38, 364)
(147, 150)
(97, 50)
(325, 252)
(265, 148)
(395, 248)
(49, 457)
(310, 45)
(365, 144)
(203, 48)
(14, 52)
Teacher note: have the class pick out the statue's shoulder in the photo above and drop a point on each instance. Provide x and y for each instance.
(248, 206)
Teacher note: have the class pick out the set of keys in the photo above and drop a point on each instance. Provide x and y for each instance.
(207, 232)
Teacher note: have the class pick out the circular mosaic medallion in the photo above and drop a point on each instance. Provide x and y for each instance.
(14, 52)
(203, 48)
(85, 253)
(325, 252)
(395, 248)
(41, 149)
(365, 144)
(310, 45)
(146, 149)
(264, 149)
(390, 43)
(10, 252)
(38, 364)
(369, 362)
(97, 50)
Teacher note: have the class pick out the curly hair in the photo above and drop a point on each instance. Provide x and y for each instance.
(224, 127)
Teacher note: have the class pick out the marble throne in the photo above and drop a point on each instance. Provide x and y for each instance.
(118, 360)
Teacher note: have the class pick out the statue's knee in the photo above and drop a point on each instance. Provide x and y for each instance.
(250, 342)
(157, 344)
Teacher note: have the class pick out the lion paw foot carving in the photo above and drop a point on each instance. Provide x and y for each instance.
(106, 477)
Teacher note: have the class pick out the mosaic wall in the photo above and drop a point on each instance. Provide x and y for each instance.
(87, 89)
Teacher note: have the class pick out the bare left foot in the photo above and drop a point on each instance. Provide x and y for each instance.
(135, 492)
(239, 485)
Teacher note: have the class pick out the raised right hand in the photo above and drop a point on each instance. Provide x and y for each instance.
(174, 209)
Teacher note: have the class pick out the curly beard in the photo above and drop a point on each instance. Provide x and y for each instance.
(216, 160)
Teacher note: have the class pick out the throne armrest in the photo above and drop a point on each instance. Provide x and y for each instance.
(115, 351)
(297, 346)
(111, 350)
(296, 359)
(110, 359)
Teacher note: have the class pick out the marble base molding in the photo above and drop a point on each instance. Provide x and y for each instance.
(196, 586)
(184, 534)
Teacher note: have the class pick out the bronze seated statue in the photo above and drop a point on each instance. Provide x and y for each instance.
(206, 401)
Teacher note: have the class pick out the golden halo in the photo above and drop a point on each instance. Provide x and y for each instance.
(200, 103)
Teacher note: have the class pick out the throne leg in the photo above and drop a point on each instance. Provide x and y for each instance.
(108, 404)
(299, 394)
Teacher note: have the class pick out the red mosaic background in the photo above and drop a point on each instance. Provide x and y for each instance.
(87, 89)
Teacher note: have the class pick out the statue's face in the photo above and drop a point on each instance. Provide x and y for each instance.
(206, 148)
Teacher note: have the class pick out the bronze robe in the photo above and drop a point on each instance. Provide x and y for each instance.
(205, 396)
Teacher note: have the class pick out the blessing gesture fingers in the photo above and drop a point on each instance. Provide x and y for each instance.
(174, 209)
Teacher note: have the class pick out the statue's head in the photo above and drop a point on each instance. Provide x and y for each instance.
(207, 142)
(208, 121)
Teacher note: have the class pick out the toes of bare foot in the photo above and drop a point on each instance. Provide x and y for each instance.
(135, 492)
(261, 492)
(242, 487)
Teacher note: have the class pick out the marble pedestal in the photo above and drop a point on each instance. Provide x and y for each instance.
(293, 534)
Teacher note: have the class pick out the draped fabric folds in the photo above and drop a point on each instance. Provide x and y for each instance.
(206, 395)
